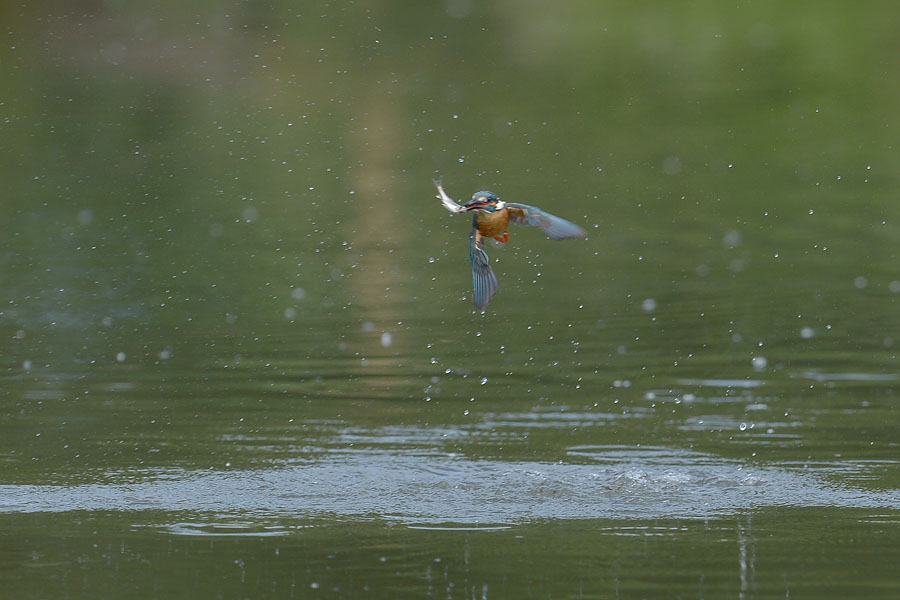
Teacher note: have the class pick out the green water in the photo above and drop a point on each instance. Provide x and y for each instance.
(239, 353)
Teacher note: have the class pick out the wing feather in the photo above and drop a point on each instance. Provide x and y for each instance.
(553, 226)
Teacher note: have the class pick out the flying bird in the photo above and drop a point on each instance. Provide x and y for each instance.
(492, 217)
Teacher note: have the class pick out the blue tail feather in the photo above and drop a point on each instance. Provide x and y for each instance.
(484, 282)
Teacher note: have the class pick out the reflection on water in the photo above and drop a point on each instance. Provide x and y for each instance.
(745, 555)
(851, 376)
(327, 476)
(232, 528)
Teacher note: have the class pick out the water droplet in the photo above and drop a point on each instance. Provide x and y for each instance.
(85, 217)
(671, 165)
(732, 238)
(249, 214)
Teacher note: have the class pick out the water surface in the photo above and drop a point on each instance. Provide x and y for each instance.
(239, 352)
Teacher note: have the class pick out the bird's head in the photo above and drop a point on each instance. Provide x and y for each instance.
(486, 201)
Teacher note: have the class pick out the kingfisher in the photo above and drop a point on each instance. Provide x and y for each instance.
(492, 216)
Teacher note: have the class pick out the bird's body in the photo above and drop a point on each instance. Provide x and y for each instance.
(493, 224)
(492, 218)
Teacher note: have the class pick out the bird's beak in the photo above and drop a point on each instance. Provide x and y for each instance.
(474, 205)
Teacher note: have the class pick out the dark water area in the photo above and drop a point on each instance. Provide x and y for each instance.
(749, 555)
(238, 351)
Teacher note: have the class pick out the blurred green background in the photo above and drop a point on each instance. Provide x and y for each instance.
(220, 248)
(179, 168)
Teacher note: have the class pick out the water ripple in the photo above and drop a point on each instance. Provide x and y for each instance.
(618, 482)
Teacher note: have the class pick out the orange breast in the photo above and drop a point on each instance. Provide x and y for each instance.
(493, 224)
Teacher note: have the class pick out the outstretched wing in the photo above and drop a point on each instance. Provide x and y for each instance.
(484, 282)
(556, 228)
(446, 200)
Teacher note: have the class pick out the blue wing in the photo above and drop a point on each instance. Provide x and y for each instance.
(556, 228)
(484, 282)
